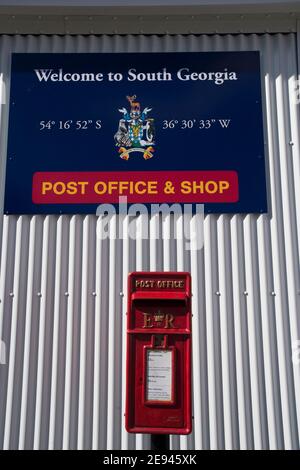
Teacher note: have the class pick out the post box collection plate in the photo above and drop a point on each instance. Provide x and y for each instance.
(158, 364)
(159, 387)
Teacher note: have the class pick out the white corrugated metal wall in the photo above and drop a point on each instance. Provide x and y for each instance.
(62, 310)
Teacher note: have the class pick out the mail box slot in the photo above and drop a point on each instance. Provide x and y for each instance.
(158, 375)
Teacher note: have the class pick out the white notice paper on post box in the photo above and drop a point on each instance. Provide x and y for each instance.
(159, 375)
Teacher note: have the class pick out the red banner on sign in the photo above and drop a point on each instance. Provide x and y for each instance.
(138, 186)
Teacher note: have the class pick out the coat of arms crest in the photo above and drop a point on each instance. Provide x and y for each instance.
(136, 131)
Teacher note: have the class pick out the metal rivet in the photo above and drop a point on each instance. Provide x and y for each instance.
(39, 294)
(11, 294)
(291, 143)
(245, 292)
(273, 293)
(218, 293)
(121, 294)
(94, 294)
(67, 294)
(90, 18)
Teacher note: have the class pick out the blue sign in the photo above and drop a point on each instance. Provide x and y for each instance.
(86, 129)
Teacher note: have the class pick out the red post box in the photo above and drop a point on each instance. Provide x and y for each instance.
(158, 375)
